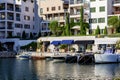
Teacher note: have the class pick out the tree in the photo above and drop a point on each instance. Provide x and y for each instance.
(105, 31)
(97, 30)
(72, 24)
(31, 35)
(63, 31)
(67, 26)
(82, 27)
(39, 34)
(54, 27)
(114, 22)
(24, 35)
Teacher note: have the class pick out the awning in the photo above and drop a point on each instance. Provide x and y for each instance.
(55, 42)
(67, 41)
(76, 27)
(84, 42)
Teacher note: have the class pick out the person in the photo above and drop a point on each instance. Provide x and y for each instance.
(102, 50)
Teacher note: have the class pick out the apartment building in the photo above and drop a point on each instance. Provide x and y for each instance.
(16, 16)
(51, 10)
(96, 12)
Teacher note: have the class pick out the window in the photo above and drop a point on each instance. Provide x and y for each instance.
(18, 34)
(27, 26)
(26, 17)
(92, 9)
(17, 17)
(2, 6)
(93, 20)
(41, 10)
(33, 27)
(33, 18)
(18, 25)
(102, 9)
(26, 9)
(2, 15)
(58, 7)
(47, 9)
(53, 8)
(33, 10)
(101, 20)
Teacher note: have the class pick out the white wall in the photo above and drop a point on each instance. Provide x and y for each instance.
(99, 14)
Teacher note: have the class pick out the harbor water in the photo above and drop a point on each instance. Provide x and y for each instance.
(16, 69)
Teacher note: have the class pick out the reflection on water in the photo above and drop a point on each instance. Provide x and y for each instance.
(14, 69)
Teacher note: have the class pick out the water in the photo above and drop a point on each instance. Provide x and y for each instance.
(16, 69)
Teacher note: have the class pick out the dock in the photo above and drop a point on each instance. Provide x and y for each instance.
(67, 57)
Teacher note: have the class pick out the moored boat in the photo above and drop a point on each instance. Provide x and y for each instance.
(106, 58)
(24, 56)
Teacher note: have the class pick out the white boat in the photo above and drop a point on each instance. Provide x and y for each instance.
(107, 57)
(24, 55)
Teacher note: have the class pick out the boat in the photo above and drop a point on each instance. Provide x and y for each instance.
(107, 57)
(24, 56)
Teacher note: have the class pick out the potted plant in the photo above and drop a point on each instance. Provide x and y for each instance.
(63, 47)
(72, 49)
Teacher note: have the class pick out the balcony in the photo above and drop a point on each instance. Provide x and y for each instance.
(10, 7)
(2, 16)
(2, 6)
(116, 3)
(116, 12)
(9, 25)
(2, 27)
(10, 16)
(76, 1)
(17, 8)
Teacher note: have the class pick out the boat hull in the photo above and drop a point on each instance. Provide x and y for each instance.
(106, 58)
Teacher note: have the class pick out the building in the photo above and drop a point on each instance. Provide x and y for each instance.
(96, 12)
(16, 16)
(50, 10)
(80, 43)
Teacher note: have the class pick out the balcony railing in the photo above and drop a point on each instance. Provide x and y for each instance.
(17, 18)
(2, 18)
(10, 18)
(9, 27)
(2, 27)
(76, 2)
(11, 9)
(18, 10)
(116, 1)
(77, 13)
(2, 8)
(116, 12)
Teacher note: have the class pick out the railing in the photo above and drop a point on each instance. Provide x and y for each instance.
(2, 27)
(10, 18)
(2, 18)
(2, 8)
(76, 2)
(77, 13)
(116, 12)
(18, 10)
(117, 1)
(9, 27)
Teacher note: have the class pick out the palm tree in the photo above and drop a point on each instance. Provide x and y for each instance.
(114, 22)
(54, 27)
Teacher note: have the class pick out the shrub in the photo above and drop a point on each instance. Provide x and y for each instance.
(117, 44)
